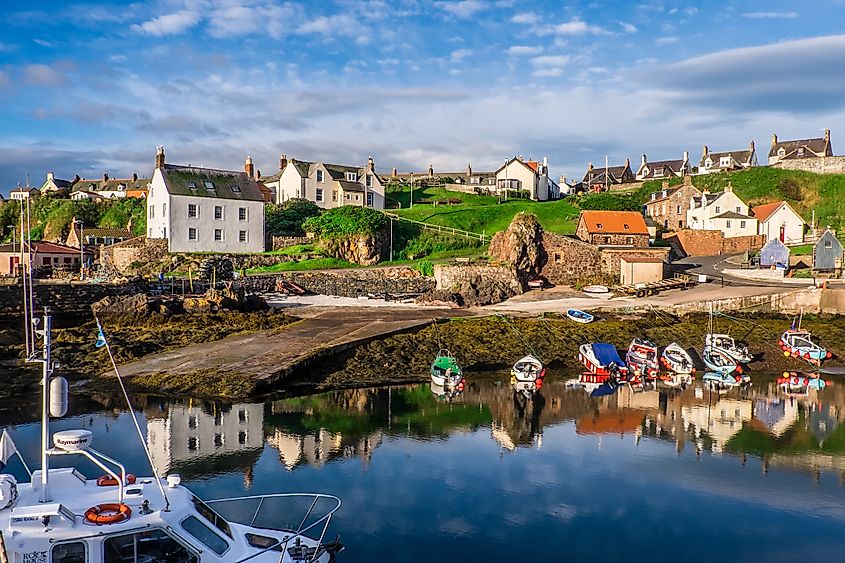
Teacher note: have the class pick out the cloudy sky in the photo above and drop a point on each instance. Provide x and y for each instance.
(89, 88)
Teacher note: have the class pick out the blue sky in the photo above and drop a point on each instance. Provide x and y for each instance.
(89, 88)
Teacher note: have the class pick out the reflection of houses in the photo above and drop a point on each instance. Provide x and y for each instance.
(777, 415)
(190, 434)
(719, 421)
(321, 446)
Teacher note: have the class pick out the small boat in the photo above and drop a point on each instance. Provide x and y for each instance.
(536, 283)
(796, 383)
(729, 346)
(725, 379)
(716, 360)
(642, 358)
(528, 368)
(799, 344)
(445, 370)
(602, 358)
(596, 289)
(579, 316)
(677, 360)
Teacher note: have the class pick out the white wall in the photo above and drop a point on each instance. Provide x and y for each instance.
(785, 216)
(205, 223)
(516, 170)
(157, 197)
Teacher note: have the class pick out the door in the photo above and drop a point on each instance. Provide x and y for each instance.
(783, 233)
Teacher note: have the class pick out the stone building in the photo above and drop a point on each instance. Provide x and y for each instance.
(569, 259)
(598, 178)
(726, 161)
(799, 149)
(663, 168)
(668, 207)
(613, 228)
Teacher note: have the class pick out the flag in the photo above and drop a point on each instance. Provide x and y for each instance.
(101, 338)
(7, 449)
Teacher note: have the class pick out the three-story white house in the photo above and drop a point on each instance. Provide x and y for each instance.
(204, 210)
(327, 185)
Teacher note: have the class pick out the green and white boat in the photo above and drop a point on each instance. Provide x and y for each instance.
(445, 370)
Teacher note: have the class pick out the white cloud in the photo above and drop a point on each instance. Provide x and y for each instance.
(526, 17)
(572, 27)
(460, 54)
(42, 75)
(668, 40)
(770, 15)
(691, 11)
(462, 8)
(521, 50)
(169, 24)
(44, 43)
(550, 60)
(548, 72)
(628, 27)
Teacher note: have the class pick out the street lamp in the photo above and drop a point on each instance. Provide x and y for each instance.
(81, 248)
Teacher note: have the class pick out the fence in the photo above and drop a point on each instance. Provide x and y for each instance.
(438, 228)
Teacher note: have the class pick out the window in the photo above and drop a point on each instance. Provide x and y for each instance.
(242, 416)
(163, 209)
(319, 194)
(680, 224)
(192, 233)
(218, 440)
(625, 226)
(149, 545)
(728, 223)
(218, 212)
(781, 152)
(69, 553)
(192, 185)
(319, 175)
(45, 261)
(209, 185)
(205, 535)
(606, 240)
(598, 225)
(213, 518)
(352, 176)
(152, 212)
(801, 151)
(369, 181)
(235, 188)
(218, 418)
(193, 443)
(334, 195)
(164, 232)
(678, 209)
(369, 199)
(241, 236)
(742, 224)
(192, 422)
(345, 196)
(192, 211)
(738, 209)
(629, 241)
(242, 437)
(242, 214)
(218, 235)
(557, 256)
(718, 209)
(151, 233)
(828, 244)
(658, 172)
(357, 197)
(725, 161)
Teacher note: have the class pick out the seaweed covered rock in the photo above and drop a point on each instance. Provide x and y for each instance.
(521, 247)
(137, 304)
(472, 286)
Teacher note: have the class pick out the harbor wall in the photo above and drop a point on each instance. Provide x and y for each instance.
(809, 300)
(345, 283)
(62, 296)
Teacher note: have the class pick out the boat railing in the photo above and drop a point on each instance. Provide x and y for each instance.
(267, 511)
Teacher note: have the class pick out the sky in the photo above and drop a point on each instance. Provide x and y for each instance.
(88, 88)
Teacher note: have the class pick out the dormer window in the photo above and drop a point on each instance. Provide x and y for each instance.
(235, 188)
(352, 176)
(192, 185)
(664, 193)
(708, 163)
(319, 175)
(725, 161)
(599, 226)
(718, 209)
(781, 152)
(801, 151)
(626, 227)
(658, 172)
(209, 185)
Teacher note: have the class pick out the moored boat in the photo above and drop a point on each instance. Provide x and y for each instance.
(596, 289)
(579, 316)
(641, 358)
(528, 368)
(718, 361)
(602, 358)
(445, 370)
(727, 344)
(798, 343)
(677, 360)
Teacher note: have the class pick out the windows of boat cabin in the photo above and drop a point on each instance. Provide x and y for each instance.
(72, 552)
(215, 519)
(149, 545)
(205, 535)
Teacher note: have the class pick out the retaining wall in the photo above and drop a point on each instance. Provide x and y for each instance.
(819, 165)
(62, 297)
(345, 283)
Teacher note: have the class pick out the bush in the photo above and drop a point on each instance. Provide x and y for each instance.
(288, 217)
(790, 189)
(346, 220)
(425, 268)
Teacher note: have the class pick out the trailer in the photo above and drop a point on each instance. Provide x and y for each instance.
(678, 281)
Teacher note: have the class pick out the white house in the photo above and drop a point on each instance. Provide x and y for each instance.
(722, 211)
(204, 210)
(662, 169)
(23, 193)
(327, 185)
(54, 185)
(779, 220)
(518, 175)
(725, 161)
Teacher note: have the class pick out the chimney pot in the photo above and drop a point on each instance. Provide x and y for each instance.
(50, 175)
(160, 156)
(249, 167)
(395, 172)
(371, 164)
(134, 176)
(687, 180)
(469, 169)
(827, 134)
(644, 159)
(774, 138)
(283, 161)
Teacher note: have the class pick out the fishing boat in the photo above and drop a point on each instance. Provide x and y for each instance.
(445, 370)
(641, 358)
(799, 344)
(528, 368)
(602, 358)
(596, 290)
(725, 379)
(716, 360)
(536, 283)
(677, 360)
(60, 515)
(579, 316)
(729, 346)
(800, 384)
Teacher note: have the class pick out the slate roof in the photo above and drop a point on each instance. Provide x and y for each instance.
(115, 232)
(350, 186)
(110, 185)
(669, 193)
(732, 215)
(224, 184)
(818, 146)
(522, 162)
(61, 184)
(615, 174)
(739, 156)
(614, 222)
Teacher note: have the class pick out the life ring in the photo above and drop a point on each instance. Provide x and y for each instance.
(109, 481)
(108, 513)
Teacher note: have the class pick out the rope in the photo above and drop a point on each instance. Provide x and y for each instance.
(522, 337)
(134, 418)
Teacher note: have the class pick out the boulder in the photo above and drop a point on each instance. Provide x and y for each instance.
(520, 246)
(136, 304)
(198, 305)
(365, 250)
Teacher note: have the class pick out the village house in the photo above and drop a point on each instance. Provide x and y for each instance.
(204, 210)
(20, 193)
(613, 228)
(780, 221)
(722, 211)
(96, 235)
(528, 176)
(605, 178)
(56, 186)
(668, 207)
(42, 255)
(470, 177)
(327, 185)
(727, 161)
(827, 253)
(663, 168)
(109, 188)
(804, 148)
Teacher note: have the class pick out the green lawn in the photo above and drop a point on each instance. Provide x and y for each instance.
(303, 265)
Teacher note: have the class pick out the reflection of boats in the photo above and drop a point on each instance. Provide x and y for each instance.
(527, 388)
(717, 361)
(796, 383)
(449, 391)
(799, 344)
(445, 370)
(601, 358)
(725, 379)
(642, 358)
(677, 360)
(727, 344)
(528, 368)
(594, 385)
(579, 316)
(675, 380)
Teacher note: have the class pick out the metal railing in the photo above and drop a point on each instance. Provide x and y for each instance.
(437, 228)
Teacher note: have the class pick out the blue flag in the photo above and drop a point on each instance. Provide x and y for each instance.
(101, 339)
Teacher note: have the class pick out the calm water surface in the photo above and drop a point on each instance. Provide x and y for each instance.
(750, 475)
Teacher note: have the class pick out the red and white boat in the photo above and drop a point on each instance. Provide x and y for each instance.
(602, 359)
(642, 358)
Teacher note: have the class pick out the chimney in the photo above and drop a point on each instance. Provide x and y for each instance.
(249, 168)
(134, 176)
(129, 225)
(590, 167)
(160, 156)
(627, 163)
(469, 169)
(50, 176)
(705, 153)
(371, 164)
(430, 170)
(545, 165)
(257, 174)
(774, 139)
(76, 179)
(283, 161)
(106, 177)
(729, 187)
(644, 160)
(687, 180)
(751, 144)
(686, 156)
(665, 185)
(827, 135)
(395, 172)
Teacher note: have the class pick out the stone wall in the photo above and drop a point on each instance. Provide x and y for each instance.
(636, 240)
(283, 242)
(122, 255)
(569, 259)
(818, 165)
(345, 283)
(694, 242)
(62, 297)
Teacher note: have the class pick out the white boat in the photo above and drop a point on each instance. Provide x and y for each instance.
(602, 359)
(62, 516)
(579, 316)
(729, 346)
(718, 361)
(725, 379)
(445, 371)
(677, 360)
(528, 368)
(596, 289)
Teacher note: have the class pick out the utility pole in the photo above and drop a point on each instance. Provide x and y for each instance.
(81, 249)
(391, 238)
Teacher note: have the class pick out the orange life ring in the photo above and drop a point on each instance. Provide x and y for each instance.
(108, 513)
(109, 481)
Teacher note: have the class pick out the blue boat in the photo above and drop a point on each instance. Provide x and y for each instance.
(579, 316)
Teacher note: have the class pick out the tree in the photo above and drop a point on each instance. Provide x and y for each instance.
(287, 218)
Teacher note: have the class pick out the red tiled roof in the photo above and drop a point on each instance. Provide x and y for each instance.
(614, 222)
(533, 164)
(763, 212)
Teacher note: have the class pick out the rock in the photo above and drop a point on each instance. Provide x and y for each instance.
(365, 250)
(198, 305)
(441, 298)
(122, 305)
(255, 303)
(521, 247)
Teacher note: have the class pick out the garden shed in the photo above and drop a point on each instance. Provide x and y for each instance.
(773, 253)
(827, 253)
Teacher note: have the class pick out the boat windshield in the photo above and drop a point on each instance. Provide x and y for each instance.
(215, 519)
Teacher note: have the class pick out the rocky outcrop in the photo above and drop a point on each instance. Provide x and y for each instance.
(366, 250)
(212, 301)
(137, 304)
(473, 286)
(520, 246)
